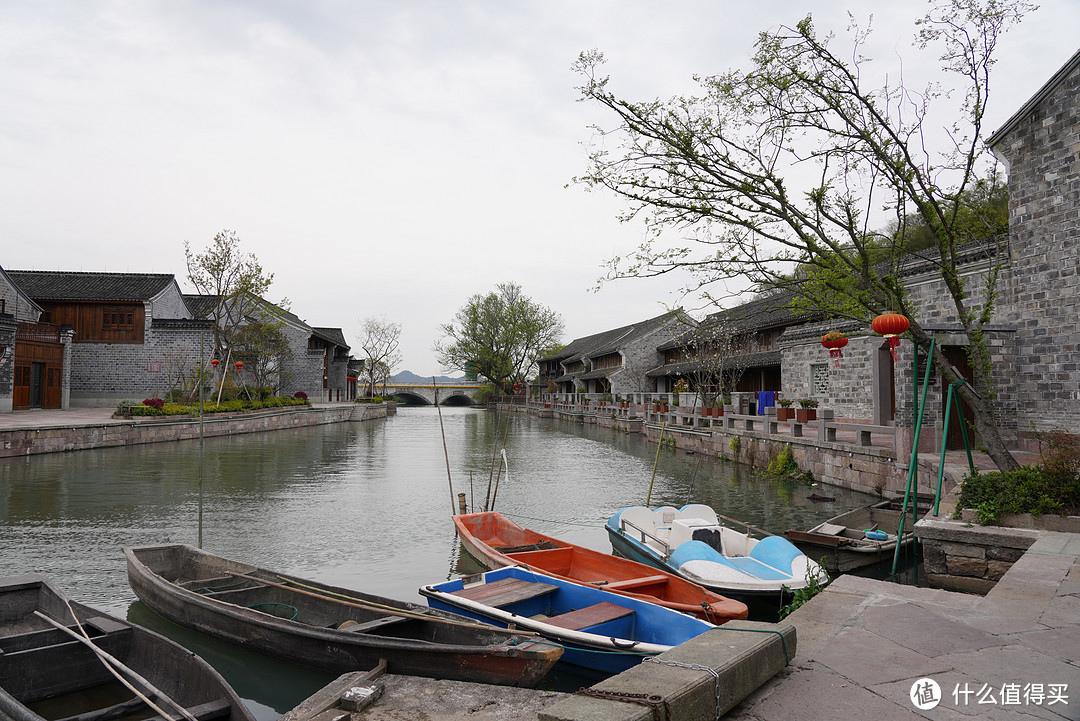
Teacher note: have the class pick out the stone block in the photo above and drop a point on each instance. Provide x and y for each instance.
(743, 661)
(933, 558)
(965, 566)
(996, 569)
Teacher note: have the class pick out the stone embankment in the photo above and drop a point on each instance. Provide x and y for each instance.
(31, 432)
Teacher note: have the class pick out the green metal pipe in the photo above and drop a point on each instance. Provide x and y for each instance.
(913, 466)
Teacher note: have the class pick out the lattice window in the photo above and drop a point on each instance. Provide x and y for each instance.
(819, 380)
(117, 319)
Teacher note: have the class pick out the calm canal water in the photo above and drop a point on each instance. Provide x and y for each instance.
(359, 505)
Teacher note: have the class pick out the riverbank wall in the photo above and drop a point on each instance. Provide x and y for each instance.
(844, 460)
(58, 431)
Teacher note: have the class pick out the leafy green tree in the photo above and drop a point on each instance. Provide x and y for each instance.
(499, 336)
(778, 173)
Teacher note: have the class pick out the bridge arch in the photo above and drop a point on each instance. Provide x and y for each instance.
(421, 394)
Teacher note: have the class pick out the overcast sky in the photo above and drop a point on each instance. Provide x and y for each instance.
(380, 158)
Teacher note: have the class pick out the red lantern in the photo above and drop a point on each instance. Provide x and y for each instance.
(239, 365)
(891, 325)
(215, 363)
(834, 341)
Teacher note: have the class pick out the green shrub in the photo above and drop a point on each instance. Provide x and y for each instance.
(814, 586)
(1026, 490)
(482, 395)
(784, 464)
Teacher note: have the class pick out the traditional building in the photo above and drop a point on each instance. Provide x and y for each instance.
(70, 339)
(614, 361)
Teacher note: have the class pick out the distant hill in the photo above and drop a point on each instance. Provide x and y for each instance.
(409, 378)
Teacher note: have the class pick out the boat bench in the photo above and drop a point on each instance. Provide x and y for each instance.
(374, 624)
(505, 591)
(630, 583)
(48, 638)
(205, 711)
(589, 616)
(542, 546)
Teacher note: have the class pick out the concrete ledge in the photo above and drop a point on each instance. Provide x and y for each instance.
(115, 432)
(743, 660)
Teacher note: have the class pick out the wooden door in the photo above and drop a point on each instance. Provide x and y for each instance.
(956, 355)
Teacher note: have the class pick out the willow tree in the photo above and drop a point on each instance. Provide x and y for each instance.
(778, 173)
(499, 335)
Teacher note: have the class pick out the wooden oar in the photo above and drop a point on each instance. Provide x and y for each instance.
(344, 600)
(115, 665)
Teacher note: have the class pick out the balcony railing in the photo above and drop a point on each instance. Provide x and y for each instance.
(39, 332)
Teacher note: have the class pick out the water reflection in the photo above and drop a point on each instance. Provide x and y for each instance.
(358, 505)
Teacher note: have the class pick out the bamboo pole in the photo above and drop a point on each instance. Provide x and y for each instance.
(659, 445)
(446, 454)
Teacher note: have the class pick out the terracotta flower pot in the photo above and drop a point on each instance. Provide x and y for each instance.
(785, 414)
(802, 415)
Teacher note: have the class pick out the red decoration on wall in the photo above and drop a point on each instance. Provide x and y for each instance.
(891, 325)
(834, 341)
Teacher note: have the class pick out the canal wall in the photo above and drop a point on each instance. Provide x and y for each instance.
(56, 438)
(867, 468)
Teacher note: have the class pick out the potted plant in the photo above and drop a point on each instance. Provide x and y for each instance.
(807, 410)
(785, 412)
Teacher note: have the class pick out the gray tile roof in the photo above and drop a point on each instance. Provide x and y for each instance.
(770, 311)
(747, 360)
(333, 335)
(610, 341)
(201, 306)
(1026, 109)
(65, 285)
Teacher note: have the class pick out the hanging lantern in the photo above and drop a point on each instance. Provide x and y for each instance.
(239, 365)
(891, 325)
(834, 341)
(215, 362)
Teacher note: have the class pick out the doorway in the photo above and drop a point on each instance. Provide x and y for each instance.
(957, 356)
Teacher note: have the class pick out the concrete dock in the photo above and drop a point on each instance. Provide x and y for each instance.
(865, 644)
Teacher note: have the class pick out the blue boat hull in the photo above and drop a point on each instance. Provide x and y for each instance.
(635, 630)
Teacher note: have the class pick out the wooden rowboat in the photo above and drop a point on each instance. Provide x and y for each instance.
(602, 632)
(328, 629)
(843, 543)
(50, 669)
(496, 541)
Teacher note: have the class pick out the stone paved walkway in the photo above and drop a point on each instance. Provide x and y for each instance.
(863, 643)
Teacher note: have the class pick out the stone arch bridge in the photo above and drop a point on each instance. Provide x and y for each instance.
(424, 394)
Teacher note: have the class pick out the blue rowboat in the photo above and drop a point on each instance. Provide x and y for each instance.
(718, 553)
(602, 633)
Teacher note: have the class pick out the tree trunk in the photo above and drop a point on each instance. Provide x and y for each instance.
(982, 408)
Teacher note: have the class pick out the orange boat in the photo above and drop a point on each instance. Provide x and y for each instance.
(496, 541)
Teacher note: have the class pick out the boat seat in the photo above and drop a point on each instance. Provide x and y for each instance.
(831, 529)
(204, 712)
(634, 582)
(542, 546)
(505, 591)
(374, 624)
(231, 591)
(589, 616)
(205, 581)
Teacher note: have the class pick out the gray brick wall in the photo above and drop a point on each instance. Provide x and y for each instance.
(1043, 154)
(103, 374)
(169, 304)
